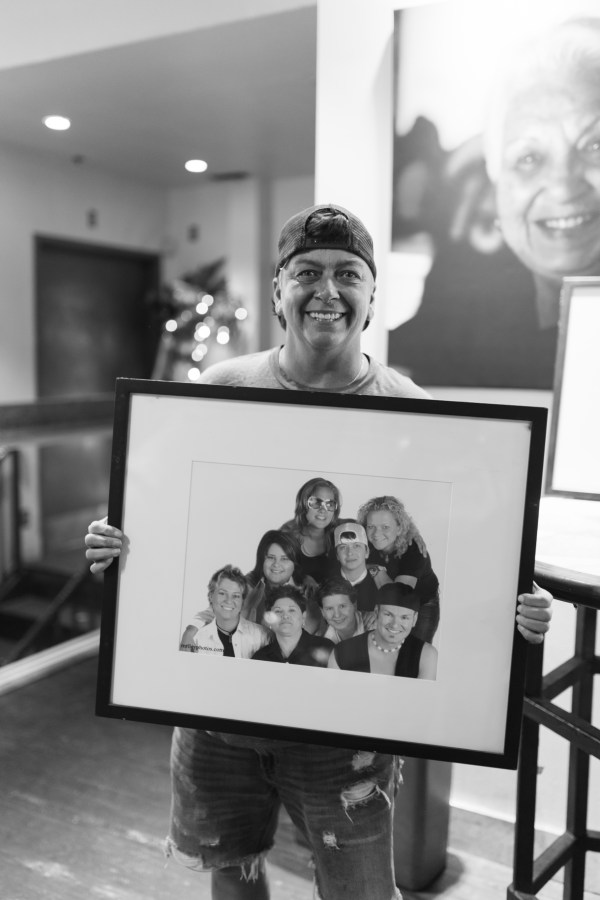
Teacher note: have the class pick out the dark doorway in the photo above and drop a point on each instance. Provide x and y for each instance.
(93, 322)
(93, 325)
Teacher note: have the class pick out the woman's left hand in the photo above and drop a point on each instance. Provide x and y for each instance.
(534, 613)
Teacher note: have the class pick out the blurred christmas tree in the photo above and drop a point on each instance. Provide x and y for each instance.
(201, 322)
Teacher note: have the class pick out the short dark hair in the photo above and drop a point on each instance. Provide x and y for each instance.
(285, 590)
(336, 586)
(290, 546)
(233, 574)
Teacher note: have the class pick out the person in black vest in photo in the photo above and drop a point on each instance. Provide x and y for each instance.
(285, 615)
(391, 648)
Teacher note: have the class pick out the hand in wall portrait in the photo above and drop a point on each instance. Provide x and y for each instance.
(512, 212)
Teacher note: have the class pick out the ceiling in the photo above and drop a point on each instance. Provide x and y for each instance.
(240, 96)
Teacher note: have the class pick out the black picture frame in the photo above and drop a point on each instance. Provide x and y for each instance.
(199, 472)
(572, 469)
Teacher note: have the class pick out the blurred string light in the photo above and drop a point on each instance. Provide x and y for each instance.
(201, 323)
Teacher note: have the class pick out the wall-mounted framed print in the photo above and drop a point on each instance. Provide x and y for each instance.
(573, 469)
(202, 473)
(482, 234)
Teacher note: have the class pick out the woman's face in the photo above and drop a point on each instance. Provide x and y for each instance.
(317, 512)
(548, 189)
(382, 530)
(339, 611)
(277, 567)
(286, 618)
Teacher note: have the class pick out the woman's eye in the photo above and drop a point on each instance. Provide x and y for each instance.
(592, 148)
(527, 162)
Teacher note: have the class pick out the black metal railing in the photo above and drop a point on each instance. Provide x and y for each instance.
(568, 852)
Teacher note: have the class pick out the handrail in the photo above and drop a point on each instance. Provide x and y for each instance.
(50, 419)
(22, 647)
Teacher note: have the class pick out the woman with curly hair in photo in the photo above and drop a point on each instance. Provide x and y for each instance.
(398, 553)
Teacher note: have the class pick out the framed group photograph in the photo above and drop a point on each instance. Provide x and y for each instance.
(216, 588)
(573, 469)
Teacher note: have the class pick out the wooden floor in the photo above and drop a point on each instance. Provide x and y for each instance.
(85, 804)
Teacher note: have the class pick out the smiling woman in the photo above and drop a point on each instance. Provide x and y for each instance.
(543, 153)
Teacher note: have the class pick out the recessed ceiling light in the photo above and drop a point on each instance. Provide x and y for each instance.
(196, 165)
(57, 123)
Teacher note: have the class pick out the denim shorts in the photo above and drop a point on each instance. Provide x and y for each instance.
(226, 795)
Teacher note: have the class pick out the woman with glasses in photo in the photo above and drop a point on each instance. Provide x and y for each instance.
(278, 562)
(318, 504)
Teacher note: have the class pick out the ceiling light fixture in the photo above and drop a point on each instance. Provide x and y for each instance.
(196, 165)
(57, 123)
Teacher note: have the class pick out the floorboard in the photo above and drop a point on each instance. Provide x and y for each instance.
(85, 804)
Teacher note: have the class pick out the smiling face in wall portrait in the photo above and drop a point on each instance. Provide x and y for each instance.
(548, 188)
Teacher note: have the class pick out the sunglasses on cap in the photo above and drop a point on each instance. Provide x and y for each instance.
(317, 503)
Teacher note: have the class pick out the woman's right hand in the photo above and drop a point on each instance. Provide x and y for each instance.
(104, 542)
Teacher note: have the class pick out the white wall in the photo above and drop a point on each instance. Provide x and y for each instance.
(354, 168)
(42, 196)
(227, 216)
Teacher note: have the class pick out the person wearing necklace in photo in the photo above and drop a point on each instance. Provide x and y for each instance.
(228, 633)
(390, 648)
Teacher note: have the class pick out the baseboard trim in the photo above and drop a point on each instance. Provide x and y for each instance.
(31, 668)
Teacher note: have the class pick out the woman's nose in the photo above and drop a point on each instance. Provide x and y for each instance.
(567, 176)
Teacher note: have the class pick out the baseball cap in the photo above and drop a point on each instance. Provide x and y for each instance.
(354, 237)
(398, 594)
(350, 533)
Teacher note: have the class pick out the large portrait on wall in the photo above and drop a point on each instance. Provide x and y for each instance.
(496, 186)
(396, 631)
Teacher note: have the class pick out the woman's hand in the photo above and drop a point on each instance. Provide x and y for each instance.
(534, 613)
(104, 542)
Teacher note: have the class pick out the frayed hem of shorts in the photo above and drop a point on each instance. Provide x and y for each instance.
(249, 865)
